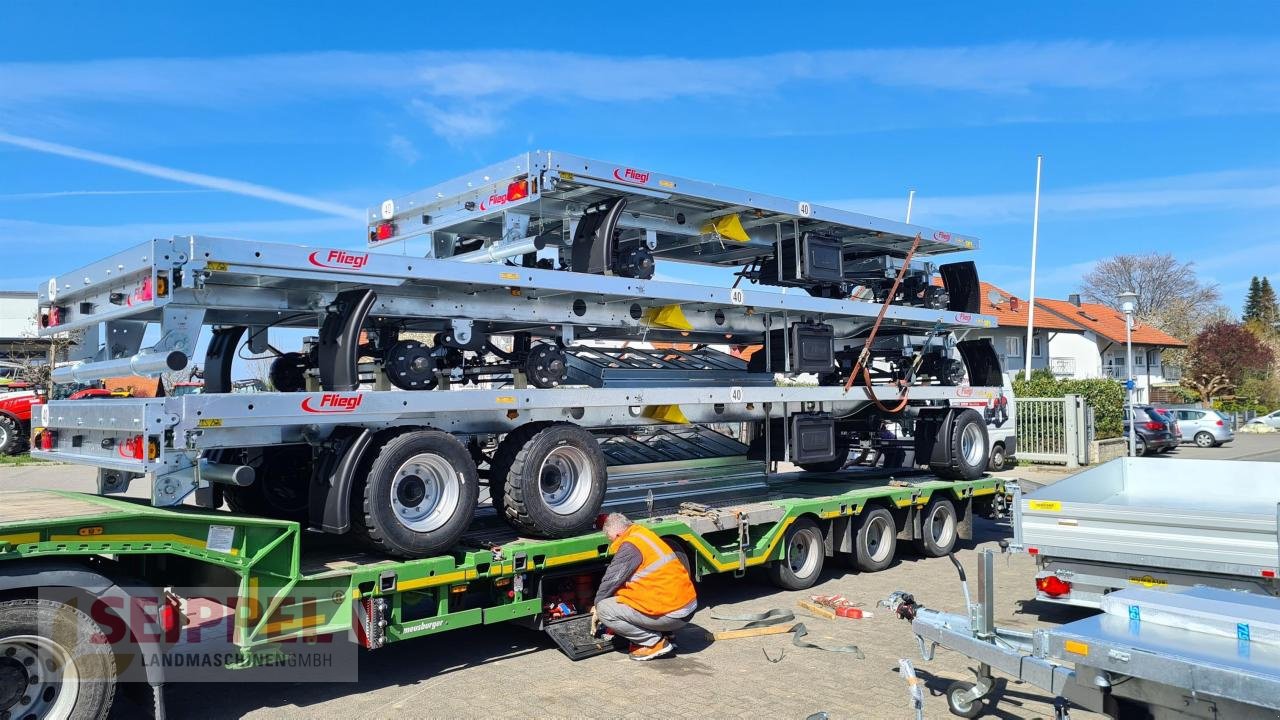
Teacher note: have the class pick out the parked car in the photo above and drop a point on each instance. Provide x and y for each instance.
(1172, 419)
(1272, 419)
(1205, 428)
(1153, 432)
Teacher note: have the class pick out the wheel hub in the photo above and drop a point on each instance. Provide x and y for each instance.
(37, 678)
(13, 682)
(425, 492)
(565, 479)
(412, 491)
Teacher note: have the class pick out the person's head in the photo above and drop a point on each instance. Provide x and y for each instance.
(614, 525)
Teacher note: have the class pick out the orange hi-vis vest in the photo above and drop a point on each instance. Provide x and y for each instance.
(660, 585)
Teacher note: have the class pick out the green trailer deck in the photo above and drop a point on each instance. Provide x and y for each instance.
(291, 585)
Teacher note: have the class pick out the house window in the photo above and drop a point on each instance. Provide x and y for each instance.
(1037, 347)
(1140, 359)
(1013, 347)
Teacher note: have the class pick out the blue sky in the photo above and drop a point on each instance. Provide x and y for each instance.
(1158, 121)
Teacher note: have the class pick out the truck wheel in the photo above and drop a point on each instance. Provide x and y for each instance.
(998, 459)
(50, 664)
(556, 482)
(876, 541)
(965, 447)
(504, 455)
(10, 436)
(802, 556)
(281, 483)
(835, 464)
(420, 494)
(937, 529)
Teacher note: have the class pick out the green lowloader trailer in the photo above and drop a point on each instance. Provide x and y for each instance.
(100, 594)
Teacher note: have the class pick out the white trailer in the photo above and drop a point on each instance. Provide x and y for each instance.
(1154, 524)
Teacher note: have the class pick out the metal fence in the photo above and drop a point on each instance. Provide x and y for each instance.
(1054, 430)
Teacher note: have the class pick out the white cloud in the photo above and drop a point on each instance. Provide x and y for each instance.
(463, 94)
(185, 177)
(53, 194)
(1231, 190)
(403, 148)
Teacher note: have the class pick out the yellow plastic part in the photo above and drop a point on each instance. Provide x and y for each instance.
(728, 227)
(668, 316)
(667, 414)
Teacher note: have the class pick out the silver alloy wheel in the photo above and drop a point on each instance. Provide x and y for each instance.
(802, 555)
(38, 678)
(971, 448)
(880, 534)
(426, 492)
(1203, 439)
(565, 479)
(942, 526)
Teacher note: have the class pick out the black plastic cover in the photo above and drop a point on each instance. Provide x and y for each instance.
(963, 288)
(813, 438)
(811, 345)
(981, 363)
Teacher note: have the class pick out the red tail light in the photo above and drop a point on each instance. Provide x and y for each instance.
(133, 448)
(47, 438)
(518, 190)
(1154, 425)
(1053, 586)
(1033, 551)
(385, 231)
(1221, 424)
(53, 318)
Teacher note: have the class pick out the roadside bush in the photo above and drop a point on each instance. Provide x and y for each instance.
(1106, 397)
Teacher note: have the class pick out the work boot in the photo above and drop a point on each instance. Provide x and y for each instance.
(658, 649)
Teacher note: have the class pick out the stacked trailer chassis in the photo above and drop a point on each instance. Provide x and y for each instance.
(566, 369)
(291, 586)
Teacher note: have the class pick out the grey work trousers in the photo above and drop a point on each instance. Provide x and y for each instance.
(637, 627)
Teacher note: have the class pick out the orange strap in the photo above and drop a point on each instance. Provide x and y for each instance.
(860, 365)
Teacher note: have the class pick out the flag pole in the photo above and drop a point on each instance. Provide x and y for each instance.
(1031, 304)
(911, 195)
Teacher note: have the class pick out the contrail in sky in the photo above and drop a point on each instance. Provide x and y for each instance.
(190, 178)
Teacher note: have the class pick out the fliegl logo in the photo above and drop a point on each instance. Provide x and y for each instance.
(332, 403)
(941, 236)
(493, 200)
(964, 317)
(631, 175)
(340, 259)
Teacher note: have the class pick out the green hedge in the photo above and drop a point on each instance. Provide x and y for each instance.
(1106, 397)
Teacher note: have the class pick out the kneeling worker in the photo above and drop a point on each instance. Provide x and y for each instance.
(646, 594)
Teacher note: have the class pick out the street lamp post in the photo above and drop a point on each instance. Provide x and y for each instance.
(1128, 302)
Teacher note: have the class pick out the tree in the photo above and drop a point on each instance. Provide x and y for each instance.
(1250, 311)
(1222, 356)
(1268, 309)
(1170, 296)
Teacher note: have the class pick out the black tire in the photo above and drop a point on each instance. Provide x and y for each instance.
(876, 540)
(11, 440)
(504, 455)
(959, 707)
(802, 556)
(1140, 447)
(682, 554)
(938, 529)
(1205, 439)
(1166, 450)
(835, 464)
(39, 640)
(997, 461)
(420, 494)
(281, 482)
(556, 482)
(965, 447)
